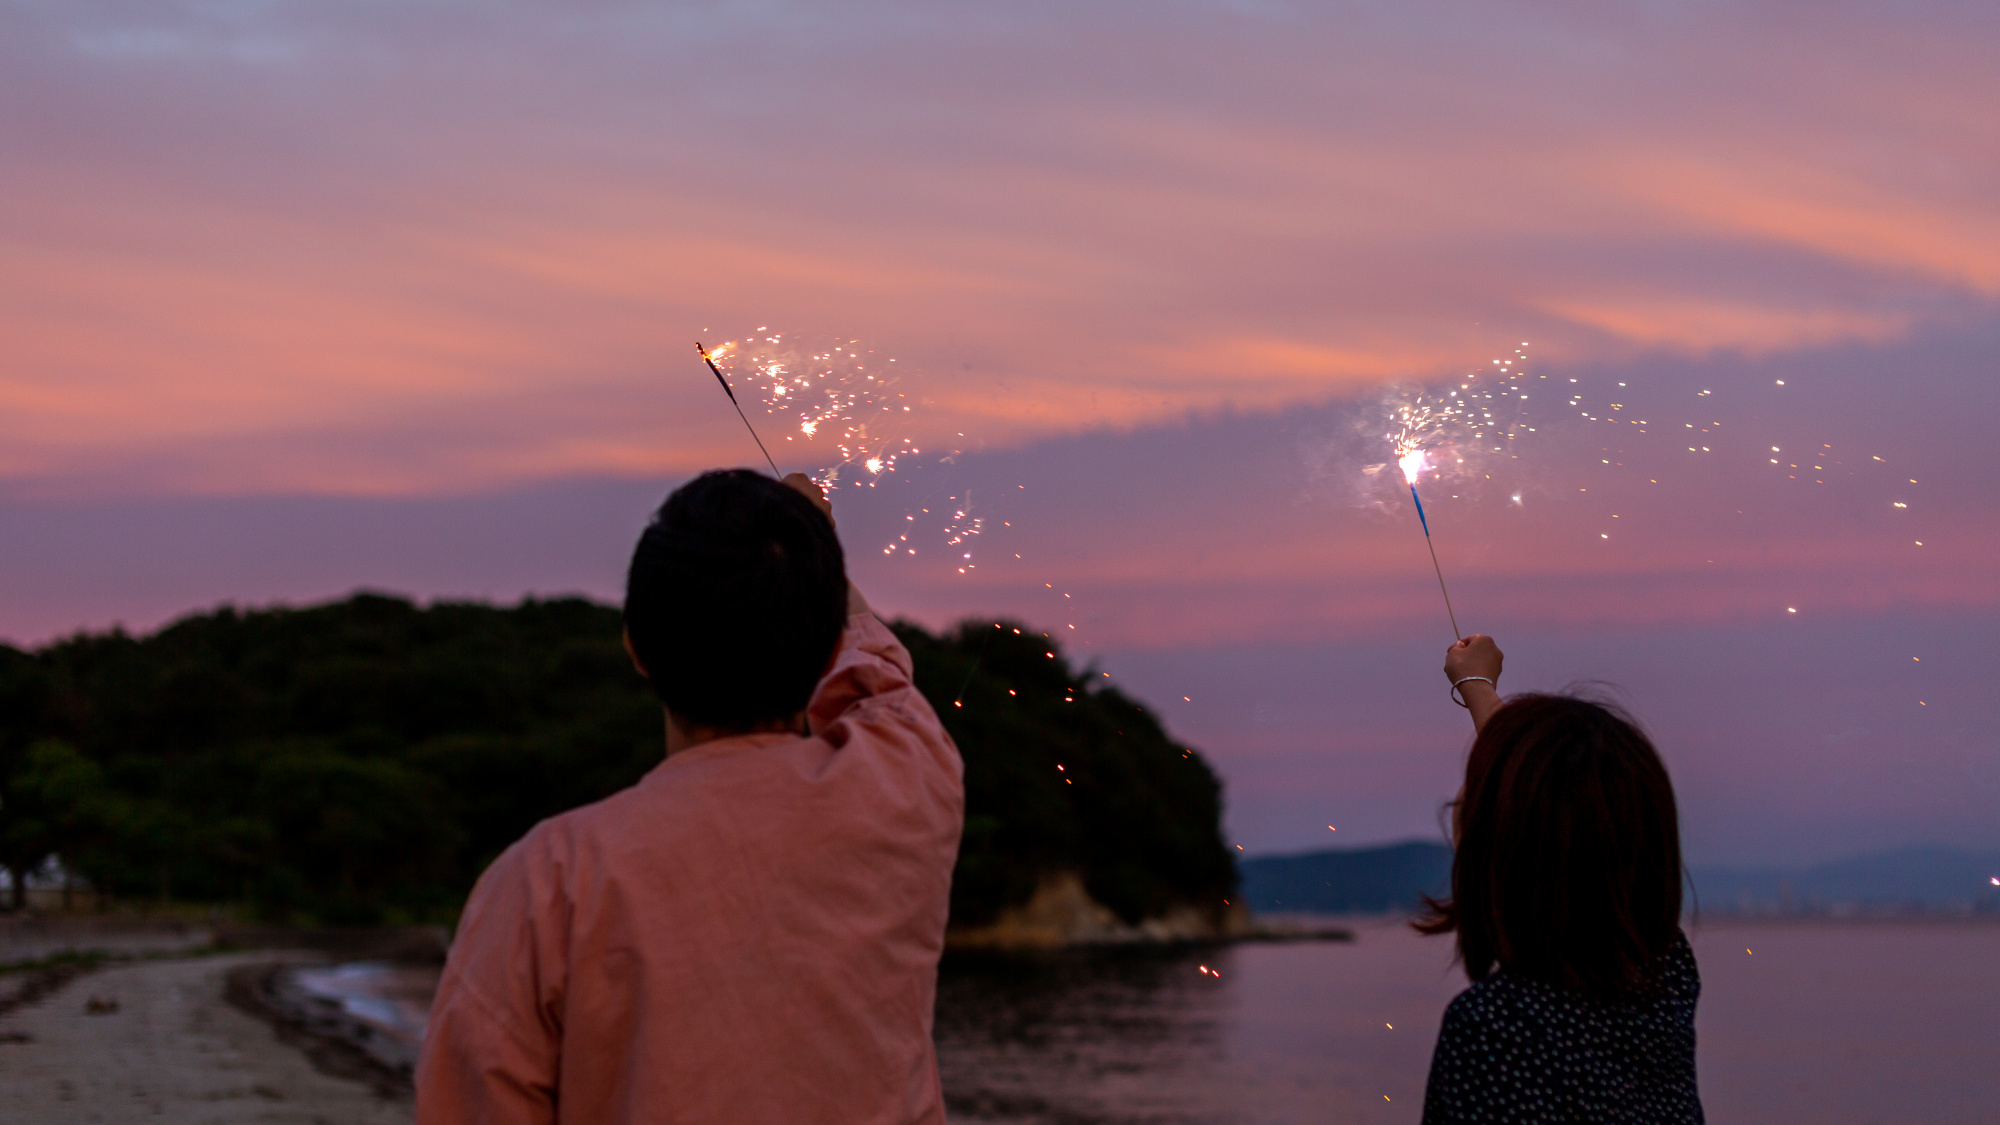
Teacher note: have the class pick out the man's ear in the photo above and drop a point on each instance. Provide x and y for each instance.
(626, 636)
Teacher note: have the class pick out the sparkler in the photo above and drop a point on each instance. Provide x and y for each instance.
(845, 407)
(739, 408)
(1475, 423)
(1450, 416)
(1412, 462)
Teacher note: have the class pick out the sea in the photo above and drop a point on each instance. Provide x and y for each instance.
(1811, 1022)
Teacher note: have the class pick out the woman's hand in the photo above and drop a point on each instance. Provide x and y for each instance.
(1476, 655)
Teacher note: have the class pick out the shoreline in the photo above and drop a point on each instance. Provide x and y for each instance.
(191, 1036)
(160, 1037)
(336, 1047)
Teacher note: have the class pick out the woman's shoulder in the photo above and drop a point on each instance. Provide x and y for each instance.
(1510, 1001)
(1678, 976)
(1507, 1008)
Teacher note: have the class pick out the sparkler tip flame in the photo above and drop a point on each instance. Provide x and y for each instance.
(1413, 463)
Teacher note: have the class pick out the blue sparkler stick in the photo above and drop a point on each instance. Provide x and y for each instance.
(1456, 635)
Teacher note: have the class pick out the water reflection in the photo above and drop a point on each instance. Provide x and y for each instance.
(378, 1006)
(1826, 1024)
(1105, 1037)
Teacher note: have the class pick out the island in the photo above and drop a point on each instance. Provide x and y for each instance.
(360, 762)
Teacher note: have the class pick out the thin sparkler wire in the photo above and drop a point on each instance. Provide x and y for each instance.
(1455, 634)
(739, 408)
(960, 701)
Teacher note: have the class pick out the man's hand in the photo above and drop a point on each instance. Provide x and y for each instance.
(804, 486)
(1476, 655)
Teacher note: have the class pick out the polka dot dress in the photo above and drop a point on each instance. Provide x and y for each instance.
(1514, 1050)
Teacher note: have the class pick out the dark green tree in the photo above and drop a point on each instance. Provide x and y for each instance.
(364, 760)
(1062, 774)
(56, 803)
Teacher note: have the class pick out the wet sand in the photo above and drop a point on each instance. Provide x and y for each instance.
(174, 1050)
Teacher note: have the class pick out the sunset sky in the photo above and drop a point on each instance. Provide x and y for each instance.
(301, 297)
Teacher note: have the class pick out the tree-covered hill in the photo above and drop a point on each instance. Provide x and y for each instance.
(364, 760)
(1062, 773)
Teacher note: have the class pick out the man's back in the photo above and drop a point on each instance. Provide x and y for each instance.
(749, 934)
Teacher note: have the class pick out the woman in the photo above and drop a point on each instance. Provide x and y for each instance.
(1566, 900)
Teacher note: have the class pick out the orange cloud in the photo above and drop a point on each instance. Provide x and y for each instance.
(340, 257)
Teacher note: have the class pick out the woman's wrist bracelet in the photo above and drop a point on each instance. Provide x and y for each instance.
(1458, 697)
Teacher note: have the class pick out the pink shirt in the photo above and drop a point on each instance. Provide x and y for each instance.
(749, 934)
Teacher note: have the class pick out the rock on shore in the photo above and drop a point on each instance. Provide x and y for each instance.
(1062, 914)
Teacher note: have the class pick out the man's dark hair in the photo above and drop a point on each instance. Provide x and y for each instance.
(736, 599)
(1567, 867)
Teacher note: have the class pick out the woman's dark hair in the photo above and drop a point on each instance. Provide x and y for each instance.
(1567, 863)
(735, 600)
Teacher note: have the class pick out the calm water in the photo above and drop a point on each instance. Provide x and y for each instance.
(1819, 1023)
(1809, 1023)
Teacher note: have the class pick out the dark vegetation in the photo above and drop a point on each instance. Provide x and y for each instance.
(362, 761)
(1136, 813)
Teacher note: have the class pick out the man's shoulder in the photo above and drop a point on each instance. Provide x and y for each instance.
(558, 843)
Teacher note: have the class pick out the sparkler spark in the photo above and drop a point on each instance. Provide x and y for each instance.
(1455, 429)
(838, 401)
(961, 527)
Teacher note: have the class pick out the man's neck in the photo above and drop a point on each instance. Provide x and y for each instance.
(684, 735)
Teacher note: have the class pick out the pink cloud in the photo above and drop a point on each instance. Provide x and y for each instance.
(356, 232)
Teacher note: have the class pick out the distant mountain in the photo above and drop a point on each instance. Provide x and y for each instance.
(1907, 880)
(1921, 880)
(1356, 881)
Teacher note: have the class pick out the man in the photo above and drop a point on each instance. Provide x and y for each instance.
(751, 932)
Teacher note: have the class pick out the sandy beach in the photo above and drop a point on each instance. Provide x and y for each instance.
(174, 1049)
